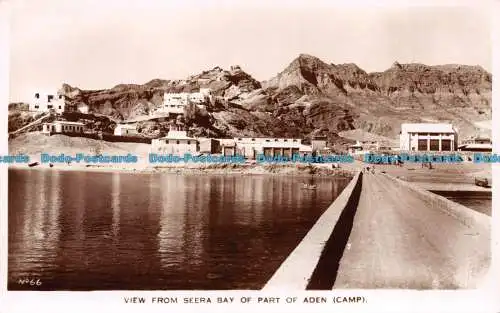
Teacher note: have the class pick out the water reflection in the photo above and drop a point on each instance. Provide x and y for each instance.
(86, 231)
(35, 245)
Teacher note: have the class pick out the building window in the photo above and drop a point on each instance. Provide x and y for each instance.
(446, 145)
(189, 142)
(49, 106)
(434, 145)
(267, 140)
(422, 145)
(178, 142)
(36, 106)
(276, 139)
(60, 96)
(239, 139)
(253, 139)
(295, 140)
(285, 140)
(50, 97)
(37, 95)
(59, 107)
(167, 142)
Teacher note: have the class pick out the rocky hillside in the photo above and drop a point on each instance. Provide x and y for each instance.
(309, 97)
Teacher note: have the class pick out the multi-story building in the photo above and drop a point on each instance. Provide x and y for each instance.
(428, 137)
(44, 102)
(176, 102)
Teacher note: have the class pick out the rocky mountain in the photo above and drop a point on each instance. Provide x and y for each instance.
(309, 97)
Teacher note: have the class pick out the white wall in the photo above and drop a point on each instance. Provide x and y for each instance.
(172, 147)
(122, 130)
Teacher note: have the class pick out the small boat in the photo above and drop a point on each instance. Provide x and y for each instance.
(308, 186)
(481, 182)
(33, 164)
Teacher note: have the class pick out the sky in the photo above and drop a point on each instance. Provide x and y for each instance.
(98, 44)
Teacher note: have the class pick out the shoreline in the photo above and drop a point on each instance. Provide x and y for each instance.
(187, 169)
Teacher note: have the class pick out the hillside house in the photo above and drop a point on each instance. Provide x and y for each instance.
(174, 103)
(125, 130)
(44, 102)
(63, 127)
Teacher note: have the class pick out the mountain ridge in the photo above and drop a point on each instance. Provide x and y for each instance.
(308, 97)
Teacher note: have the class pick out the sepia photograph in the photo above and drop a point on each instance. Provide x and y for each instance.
(187, 145)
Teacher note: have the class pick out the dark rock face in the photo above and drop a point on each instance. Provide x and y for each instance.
(309, 97)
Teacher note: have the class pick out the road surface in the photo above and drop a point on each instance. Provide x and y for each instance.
(399, 240)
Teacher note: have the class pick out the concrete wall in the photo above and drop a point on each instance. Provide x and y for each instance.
(296, 272)
(476, 258)
(467, 216)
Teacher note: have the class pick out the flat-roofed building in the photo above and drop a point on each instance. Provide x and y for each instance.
(476, 147)
(177, 142)
(476, 144)
(250, 147)
(63, 127)
(477, 140)
(428, 137)
(174, 103)
(125, 130)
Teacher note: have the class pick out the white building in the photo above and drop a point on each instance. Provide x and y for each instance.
(62, 127)
(428, 137)
(177, 142)
(251, 147)
(125, 130)
(176, 102)
(44, 102)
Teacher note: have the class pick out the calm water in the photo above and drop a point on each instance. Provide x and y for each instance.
(104, 231)
(477, 200)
